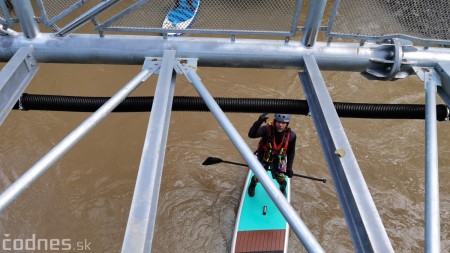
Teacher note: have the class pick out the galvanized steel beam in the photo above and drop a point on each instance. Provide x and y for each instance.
(214, 52)
(142, 217)
(364, 223)
(14, 79)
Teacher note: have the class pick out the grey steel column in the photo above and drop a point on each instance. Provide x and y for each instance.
(141, 221)
(278, 198)
(21, 184)
(364, 223)
(25, 14)
(432, 217)
(312, 25)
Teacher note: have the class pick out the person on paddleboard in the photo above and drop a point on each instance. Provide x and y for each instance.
(276, 149)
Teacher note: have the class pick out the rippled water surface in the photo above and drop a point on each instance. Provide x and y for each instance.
(86, 196)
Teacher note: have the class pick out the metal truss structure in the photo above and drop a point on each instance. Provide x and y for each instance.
(383, 52)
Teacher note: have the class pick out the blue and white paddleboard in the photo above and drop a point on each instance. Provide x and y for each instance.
(181, 16)
(260, 226)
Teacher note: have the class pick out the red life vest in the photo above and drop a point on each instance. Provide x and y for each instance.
(268, 149)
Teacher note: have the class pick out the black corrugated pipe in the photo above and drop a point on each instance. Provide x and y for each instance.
(248, 105)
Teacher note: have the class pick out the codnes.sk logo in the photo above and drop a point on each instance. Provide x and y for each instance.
(24, 244)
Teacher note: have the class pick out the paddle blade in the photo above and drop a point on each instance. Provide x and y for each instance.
(212, 160)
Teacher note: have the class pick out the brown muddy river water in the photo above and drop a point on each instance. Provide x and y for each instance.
(84, 199)
(87, 194)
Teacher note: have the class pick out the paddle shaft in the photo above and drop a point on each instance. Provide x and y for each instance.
(240, 164)
(297, 175)
(312, 178)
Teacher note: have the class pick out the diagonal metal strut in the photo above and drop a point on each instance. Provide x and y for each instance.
(363, 221)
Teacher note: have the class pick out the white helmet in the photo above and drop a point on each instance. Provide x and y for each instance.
(282, 117)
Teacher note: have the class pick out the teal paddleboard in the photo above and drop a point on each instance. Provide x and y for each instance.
(260, 226)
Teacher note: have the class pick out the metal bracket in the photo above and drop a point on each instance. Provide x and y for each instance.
(428, 74)
(185, 64)
(152, 63)
(14, 78)
(390, 67)
(181, 66)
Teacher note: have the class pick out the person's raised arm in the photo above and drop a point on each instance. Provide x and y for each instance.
(255, 130)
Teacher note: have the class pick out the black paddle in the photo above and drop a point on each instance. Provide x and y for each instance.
(215, 160)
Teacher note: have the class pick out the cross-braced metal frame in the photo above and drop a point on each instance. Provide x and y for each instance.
(396, 58)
